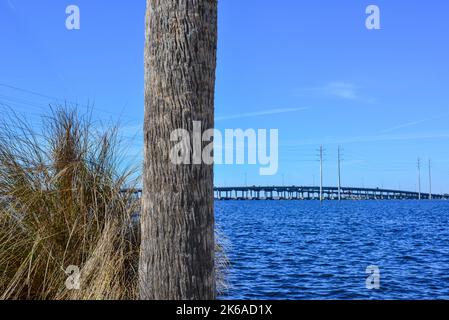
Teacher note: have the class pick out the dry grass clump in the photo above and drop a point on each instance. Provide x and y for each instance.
(62, 204)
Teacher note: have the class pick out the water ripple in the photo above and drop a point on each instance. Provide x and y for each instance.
(308, 250)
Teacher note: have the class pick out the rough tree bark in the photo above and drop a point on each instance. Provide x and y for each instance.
(177, 249)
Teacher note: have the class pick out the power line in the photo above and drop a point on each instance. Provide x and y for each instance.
(419, 178)
(321, 173)
(430, 179)
(27, 91)
(339, 175)
(38, 123)
(59, 100)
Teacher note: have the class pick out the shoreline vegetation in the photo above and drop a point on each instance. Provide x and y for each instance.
(62, 205)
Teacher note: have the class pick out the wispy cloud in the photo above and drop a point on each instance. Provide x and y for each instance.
(342, 90)
(404, 125)
(11, 5)
(259, 113)
(338, 89)
(414, 123)
(370, 138)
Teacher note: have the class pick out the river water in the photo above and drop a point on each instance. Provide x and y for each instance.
(308, 250)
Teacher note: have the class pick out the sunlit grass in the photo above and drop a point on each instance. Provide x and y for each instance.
(62, 204)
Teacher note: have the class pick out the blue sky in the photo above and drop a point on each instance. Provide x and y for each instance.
(308, 68)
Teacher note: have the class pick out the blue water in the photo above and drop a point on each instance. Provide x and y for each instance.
(308, 250)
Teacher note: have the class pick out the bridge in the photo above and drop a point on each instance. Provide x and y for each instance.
(312, 193)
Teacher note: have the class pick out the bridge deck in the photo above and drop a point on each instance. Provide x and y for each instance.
(313, 193)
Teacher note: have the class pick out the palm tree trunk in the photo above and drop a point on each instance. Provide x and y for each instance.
(177, 249)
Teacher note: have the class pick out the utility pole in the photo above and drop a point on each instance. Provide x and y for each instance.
(321, 173)
(245, 193)
(430, 179)
(419, 179)
(339, 175)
